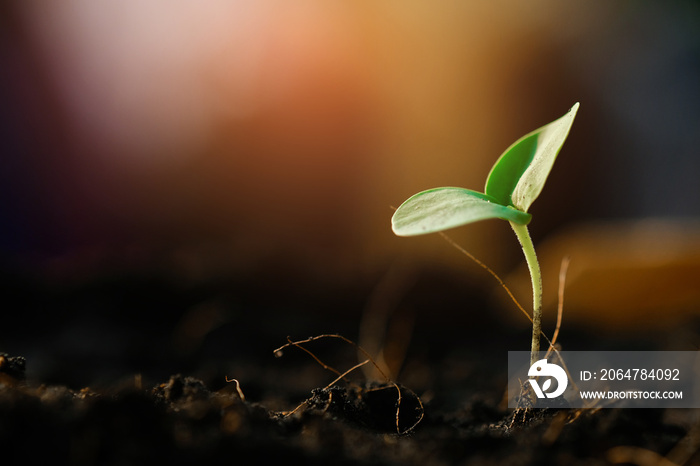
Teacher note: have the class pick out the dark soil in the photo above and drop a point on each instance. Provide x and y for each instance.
(125, 369)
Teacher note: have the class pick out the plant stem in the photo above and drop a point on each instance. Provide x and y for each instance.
(535, 275)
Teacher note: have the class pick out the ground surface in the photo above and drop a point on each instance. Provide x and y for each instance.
(125, 369)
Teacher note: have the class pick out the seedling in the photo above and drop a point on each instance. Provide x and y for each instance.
(513, 184)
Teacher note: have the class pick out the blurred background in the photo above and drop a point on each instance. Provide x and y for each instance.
(256, 149)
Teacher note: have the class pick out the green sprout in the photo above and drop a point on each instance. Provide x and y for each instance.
(513, 184)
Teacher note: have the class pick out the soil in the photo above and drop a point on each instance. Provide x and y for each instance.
(125, 368)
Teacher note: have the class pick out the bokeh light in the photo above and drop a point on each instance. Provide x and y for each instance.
(237, 136)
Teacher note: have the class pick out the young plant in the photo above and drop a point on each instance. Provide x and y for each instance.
(513, 184)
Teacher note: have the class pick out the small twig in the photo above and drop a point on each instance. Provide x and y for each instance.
(289, 413)
(341, 376)
(321, 363)
(560, 305)
(238, 388)
(278, 351)
(560, 311)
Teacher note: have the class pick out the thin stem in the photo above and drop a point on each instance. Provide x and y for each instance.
(536, 276)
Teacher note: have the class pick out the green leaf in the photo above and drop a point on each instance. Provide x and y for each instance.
(518, 176)
(442, 208)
